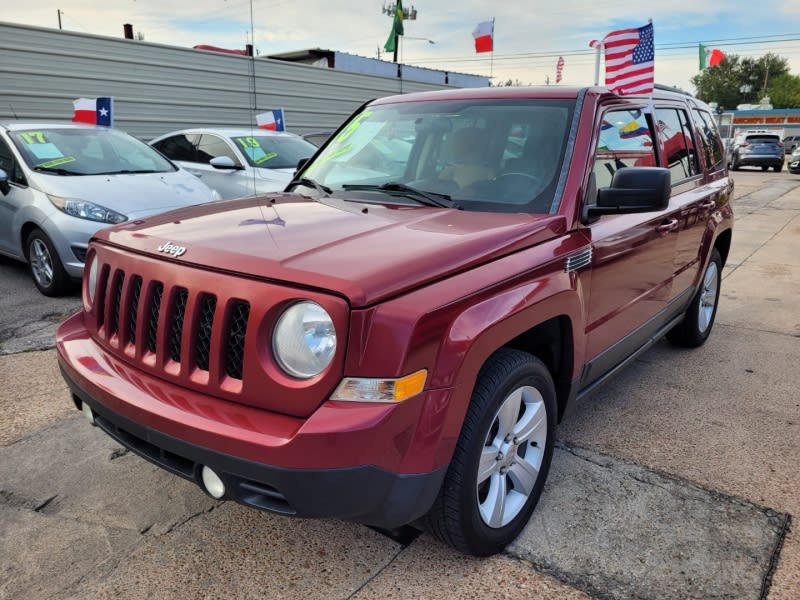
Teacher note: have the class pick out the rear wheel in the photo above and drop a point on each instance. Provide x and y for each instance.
(45, 266)
(502, 456)
(765, 168)
(778, 168)
(735, 164)
(696, 326)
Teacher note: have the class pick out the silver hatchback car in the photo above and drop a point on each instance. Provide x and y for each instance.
(60, 183)
(237, 162)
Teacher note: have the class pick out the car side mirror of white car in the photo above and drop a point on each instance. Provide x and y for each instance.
(224, 162)
(4, 187)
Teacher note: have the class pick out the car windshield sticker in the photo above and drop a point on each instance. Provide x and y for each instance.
(37, 143)
(252, 147)
(59, 161)
(265, 157)
(45, 151)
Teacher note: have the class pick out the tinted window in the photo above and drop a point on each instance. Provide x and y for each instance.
(712, 144)
(90, 151)
(211, 146)
(676, 139)
(274, 152)
(763, 139)
(9, 164)
(178, 147)
(625, 141)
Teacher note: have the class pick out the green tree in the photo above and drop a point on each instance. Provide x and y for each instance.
(784, 91)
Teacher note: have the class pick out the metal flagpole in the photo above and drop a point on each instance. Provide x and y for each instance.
(598, 50)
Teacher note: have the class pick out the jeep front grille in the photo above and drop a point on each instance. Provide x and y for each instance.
(189, 320)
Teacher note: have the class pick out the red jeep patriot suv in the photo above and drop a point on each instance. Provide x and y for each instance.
(394, 339)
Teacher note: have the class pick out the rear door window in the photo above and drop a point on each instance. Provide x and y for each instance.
(676, 139)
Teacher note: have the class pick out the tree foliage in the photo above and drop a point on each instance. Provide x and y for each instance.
(742, 80)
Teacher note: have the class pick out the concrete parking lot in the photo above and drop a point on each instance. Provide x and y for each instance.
(679, 479)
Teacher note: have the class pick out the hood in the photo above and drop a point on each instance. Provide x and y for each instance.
(135, 195)
(364, 252)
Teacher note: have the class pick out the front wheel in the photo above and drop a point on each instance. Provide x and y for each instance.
(778, 168)
(45, 266)
(502, 456)
(696, 326)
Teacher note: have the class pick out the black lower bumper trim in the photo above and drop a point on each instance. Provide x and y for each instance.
(364, 494)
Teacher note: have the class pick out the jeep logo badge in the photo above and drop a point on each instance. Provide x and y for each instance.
(170, 248)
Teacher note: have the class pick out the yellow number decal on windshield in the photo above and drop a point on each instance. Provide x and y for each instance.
(33, 137)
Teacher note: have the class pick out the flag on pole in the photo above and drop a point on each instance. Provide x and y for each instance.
(559, 68)
(94, 111)
(710, 57)
(630, 60)
(484, 36)
(272, 120)
(397, 27)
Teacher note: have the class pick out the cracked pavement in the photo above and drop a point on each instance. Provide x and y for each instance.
(678, 479)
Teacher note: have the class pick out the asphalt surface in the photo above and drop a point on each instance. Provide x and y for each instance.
(678, 479)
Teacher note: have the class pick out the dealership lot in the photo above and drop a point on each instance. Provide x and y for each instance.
(677, 479)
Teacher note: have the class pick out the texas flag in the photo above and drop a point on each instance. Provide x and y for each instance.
(484, 36)
(272, 120)
(94, 111)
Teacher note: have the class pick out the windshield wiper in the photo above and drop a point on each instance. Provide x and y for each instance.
(308, 182)
(56, 170)
(127, 172)
(423, 197)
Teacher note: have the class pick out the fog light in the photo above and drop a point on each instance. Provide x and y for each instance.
(212, 483)
(87, 412)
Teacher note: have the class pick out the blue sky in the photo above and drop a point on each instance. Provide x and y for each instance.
(528, 38)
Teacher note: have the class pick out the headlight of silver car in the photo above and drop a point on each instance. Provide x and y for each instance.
(86, 210)
(304, 340)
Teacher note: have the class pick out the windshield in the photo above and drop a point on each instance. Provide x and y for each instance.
(485, 155)
(274, 152)
(79, 151)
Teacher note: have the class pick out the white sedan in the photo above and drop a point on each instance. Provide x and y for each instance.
(236, 162)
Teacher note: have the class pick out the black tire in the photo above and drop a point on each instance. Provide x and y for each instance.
(455, 517)
(778, 168)
(45, 265)
(695, 328)
(735, 163)
(765, 168)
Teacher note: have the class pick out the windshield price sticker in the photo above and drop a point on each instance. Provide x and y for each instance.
(252, 147)
(265, 157)
(54, 163)
(33, 137)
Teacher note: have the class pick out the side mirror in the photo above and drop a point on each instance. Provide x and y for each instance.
(633, 190)
(4, 186)
(300, 164)
(223, 162)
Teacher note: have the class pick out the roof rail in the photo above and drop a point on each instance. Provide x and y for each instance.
(668, 88)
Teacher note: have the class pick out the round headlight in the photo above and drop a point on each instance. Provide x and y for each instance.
(304, 340)
(91, 283)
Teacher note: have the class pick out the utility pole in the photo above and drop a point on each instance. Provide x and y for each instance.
(59, 18)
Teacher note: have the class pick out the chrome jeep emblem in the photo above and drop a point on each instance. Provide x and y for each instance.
(170, 248)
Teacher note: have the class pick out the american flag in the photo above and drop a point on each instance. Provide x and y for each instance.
(559, 68)
(630, 58)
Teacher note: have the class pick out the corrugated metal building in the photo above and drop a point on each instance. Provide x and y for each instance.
(159, 88)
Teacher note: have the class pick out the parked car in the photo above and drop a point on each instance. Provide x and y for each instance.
(790, 142)
(317, 137)
(60, 183)
(763, 150)
(396, 346)
(794, 161)
(237, 162)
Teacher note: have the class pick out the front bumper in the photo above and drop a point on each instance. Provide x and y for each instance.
(312, 467)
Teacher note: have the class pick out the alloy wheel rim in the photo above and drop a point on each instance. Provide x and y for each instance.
(511, 457)
(41, 263)
(708, 297)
